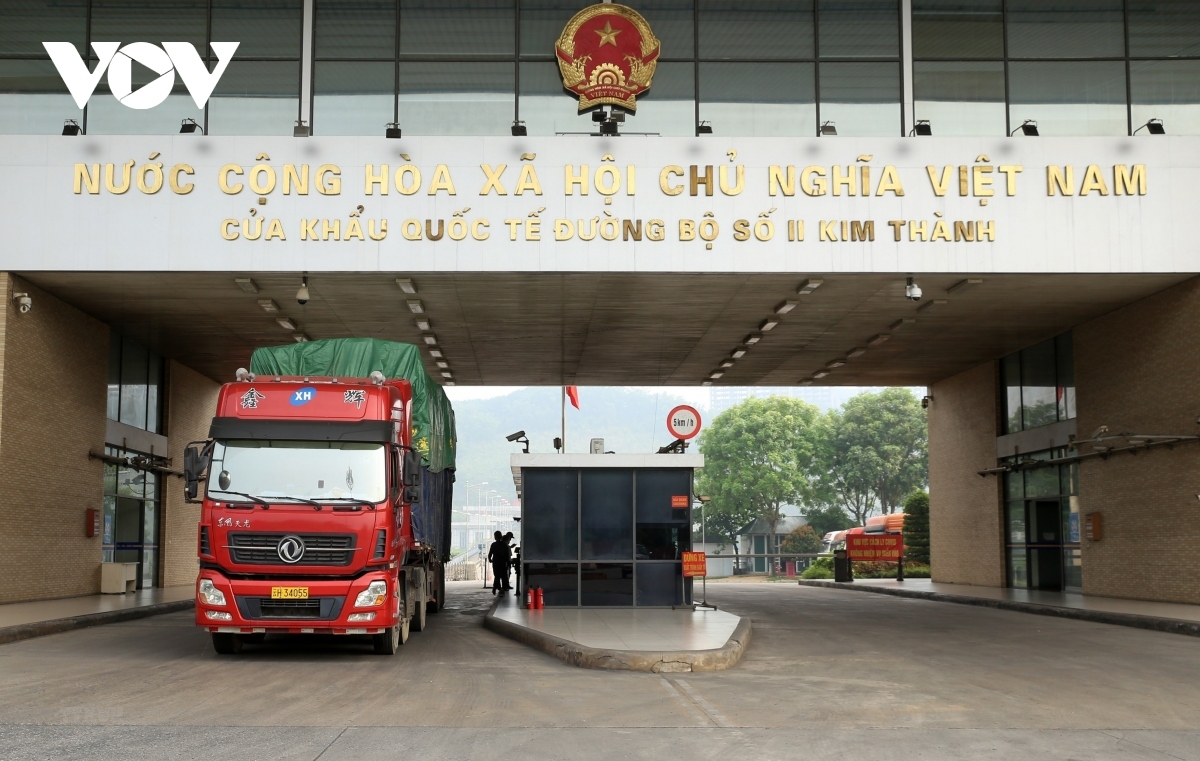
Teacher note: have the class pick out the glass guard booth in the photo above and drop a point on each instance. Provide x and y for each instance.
(606, 530)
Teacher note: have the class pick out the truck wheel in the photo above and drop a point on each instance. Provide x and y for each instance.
(418, 619)
(388, 642)
(227, 644)
(433, 606)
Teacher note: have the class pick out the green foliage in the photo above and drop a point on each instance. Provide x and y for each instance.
(916, 527)
(821, 568)
(802, 540)
(826, 518)
(760, 455)
(876, 453)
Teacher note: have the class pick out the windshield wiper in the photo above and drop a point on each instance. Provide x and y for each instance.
(251, 497)
(354, 500)
(303, 500)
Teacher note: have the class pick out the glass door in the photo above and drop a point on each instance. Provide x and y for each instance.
(1045, 544)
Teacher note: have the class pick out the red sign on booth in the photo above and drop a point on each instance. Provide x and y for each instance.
(878, 547)
(694, 564)
(679, 500)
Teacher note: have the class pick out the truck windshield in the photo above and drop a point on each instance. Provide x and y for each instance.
(306, 469)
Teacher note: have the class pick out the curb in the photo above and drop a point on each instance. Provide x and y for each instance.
(1152, 623)
(575, 654)
(41, 628)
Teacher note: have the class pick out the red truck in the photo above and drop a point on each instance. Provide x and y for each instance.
(321, 513)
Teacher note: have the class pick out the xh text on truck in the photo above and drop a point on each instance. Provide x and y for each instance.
(325, 491)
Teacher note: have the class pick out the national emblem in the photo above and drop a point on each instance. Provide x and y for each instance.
(607, 55)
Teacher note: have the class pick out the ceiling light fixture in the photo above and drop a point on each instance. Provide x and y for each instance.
(709, 383)
(286, 323)
(738, 353)
(716, 374)
(879, 339)
(808, 286)
(447, 374)
(752, 339)
(727, 364)
(820, 374)
(435, 353)
(857, 351)
(963, 285)
(768, 324)
(444, 365)
(430, 339)
(246, 284)
(806, 382)
(929, 306)
(406, 285)
(903, 323)
(300, 338)
(422, 323)
(835, 363)
(1154, 127)
(1028, 129)
(268, 305)
(415, 306)
(785, 307)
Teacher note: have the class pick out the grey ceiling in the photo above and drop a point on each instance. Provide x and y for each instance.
(610, 329)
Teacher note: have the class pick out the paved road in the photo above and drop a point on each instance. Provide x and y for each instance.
(829, 674)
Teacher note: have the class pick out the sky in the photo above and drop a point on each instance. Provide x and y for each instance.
(693, 395)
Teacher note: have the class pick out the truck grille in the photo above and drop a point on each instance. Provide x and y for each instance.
(311, 609)
(289, 608)
(259, 548)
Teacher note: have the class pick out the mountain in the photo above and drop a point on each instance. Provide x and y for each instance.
(628, 421)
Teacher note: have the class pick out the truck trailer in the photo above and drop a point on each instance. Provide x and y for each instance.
(325, 488)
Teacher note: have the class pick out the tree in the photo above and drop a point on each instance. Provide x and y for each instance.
(826, 518)
(762, 454)
(877, 451)
(803, 540)
(916, 527)
(722, 520)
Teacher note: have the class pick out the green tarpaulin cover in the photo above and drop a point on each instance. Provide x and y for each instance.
(433, 417)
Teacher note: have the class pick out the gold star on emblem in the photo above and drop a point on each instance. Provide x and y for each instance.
(608, 35)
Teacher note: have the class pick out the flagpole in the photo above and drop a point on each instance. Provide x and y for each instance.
(564, 419)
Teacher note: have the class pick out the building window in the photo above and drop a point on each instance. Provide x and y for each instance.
(131, 525)
(1042, 525)
(136, 392)
(1039, 385)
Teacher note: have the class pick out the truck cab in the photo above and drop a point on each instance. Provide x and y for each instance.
(308, 488)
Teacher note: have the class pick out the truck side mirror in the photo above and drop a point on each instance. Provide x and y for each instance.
(412, 495)
(195, 466)
(412, 468)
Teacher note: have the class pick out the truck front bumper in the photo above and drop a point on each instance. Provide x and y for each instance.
(327, 607)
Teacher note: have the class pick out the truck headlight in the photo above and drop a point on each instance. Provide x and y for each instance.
(210, 594)
(372, 595)
(219, 615)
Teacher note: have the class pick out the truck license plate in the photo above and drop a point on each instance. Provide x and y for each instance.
(289, 593)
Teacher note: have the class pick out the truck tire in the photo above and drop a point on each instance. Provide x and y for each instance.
(227, 644)
(388, 642)
(433, 606)
(420, 609)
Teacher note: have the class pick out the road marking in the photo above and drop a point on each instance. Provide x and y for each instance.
(708, 708)
(687, 704)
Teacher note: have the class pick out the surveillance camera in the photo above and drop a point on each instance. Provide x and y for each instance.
(912, 291)
(302, 294)
(515, 436)
(24, 302)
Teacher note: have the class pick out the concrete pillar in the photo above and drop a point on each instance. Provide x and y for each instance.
(965, 510)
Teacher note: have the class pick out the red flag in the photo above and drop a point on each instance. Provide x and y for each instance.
(573, 395)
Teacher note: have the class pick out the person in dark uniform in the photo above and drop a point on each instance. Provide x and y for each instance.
(498, 556)
(508, 540)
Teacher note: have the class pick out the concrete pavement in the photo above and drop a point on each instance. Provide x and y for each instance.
(830, 674)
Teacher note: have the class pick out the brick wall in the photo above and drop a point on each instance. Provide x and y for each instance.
(965, 511)
(53, 380)
(1138, 370)
(191, 403)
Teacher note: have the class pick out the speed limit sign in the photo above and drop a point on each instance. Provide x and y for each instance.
(683, 422)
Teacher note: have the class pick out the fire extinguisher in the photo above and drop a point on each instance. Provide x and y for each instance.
(541, 601)
(529, 598)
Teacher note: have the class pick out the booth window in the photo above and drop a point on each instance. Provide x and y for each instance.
(136, 391)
